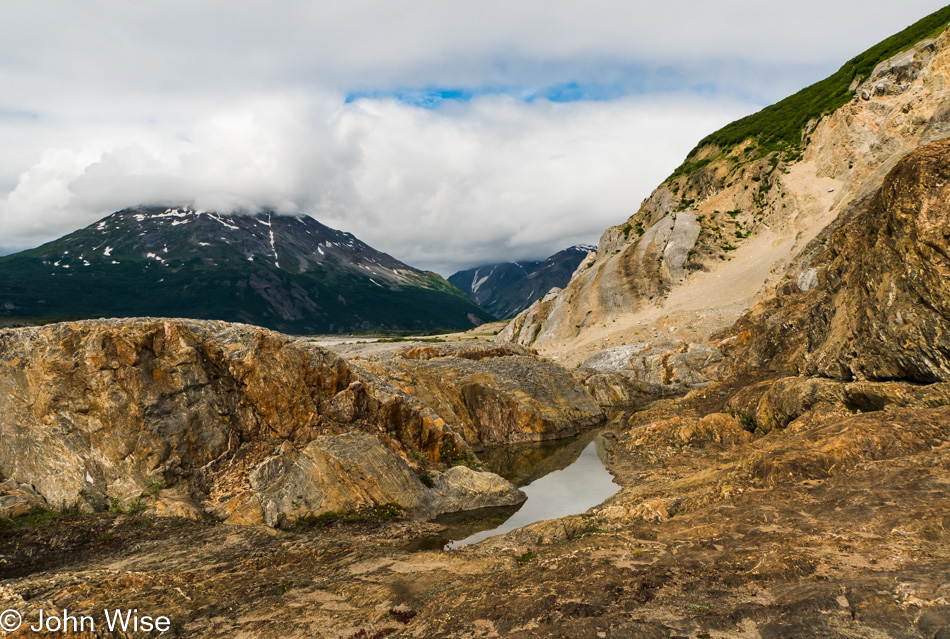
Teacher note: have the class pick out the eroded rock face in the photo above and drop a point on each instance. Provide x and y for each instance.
(881, 307)
(17, 499)
(679, 366)
(491, 395)
(209, 416)
(616, 390)
(776, 403)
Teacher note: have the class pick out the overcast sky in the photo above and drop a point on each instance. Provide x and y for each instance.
(448, 134)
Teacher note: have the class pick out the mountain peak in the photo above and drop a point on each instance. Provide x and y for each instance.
(508, 288)
(282, 271)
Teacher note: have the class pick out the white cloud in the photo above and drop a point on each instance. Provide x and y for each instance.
(444, 189)
(499, 178)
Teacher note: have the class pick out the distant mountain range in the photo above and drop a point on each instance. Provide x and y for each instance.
(508, 288)
(290, 273)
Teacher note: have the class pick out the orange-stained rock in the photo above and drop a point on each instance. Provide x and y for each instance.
(880, 305)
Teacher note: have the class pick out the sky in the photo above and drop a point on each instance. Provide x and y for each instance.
(447, 133)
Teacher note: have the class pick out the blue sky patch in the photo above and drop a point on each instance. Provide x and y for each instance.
(433, 97)
(612, 85)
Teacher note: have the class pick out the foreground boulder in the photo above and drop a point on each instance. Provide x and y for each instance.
(352, 471)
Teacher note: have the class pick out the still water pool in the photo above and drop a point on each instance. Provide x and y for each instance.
(561, 478)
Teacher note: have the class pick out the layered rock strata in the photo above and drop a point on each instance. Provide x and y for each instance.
(877, 303)
(489, 395)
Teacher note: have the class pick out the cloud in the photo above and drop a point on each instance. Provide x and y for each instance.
(145, 53)
(498, 178)
(482, 181)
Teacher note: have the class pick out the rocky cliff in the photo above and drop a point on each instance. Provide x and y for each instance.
(489, 395)
(873, 301)
(728, 224)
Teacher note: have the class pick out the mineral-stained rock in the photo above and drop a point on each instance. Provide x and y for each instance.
(492, 395)
(881, 308)
(825, 444)
(17, 499)
(616, 390)
(464, 351)
(195, 416)
(463, 488)
(776, 403)
(678, 366)
(173, 503)
(718, 428)
(354, 470)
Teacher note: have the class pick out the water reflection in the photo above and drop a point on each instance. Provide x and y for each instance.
(560, 478)
(522, 464)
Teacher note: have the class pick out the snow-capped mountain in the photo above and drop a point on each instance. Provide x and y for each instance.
(508, 288)
(291, 273)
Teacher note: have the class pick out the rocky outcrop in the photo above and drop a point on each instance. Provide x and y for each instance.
(17, 499)
(525, 327)
(880, 307)
(489, 395)
(616, 390)
(353, 471)
(776, 403)
(679, 366)
(197, 416)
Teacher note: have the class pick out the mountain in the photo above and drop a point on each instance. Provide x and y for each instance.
(508, 288)
(482, 283)
(290, 273)
(751, 203)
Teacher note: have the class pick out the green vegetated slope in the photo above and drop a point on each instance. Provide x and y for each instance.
(345, 302)
(779, 127)
(142, 262)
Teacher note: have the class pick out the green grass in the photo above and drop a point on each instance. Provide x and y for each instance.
(376, 513)
(39, 517)
(425, 477)
(779, 127)
(452, 456)
(153, 488)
